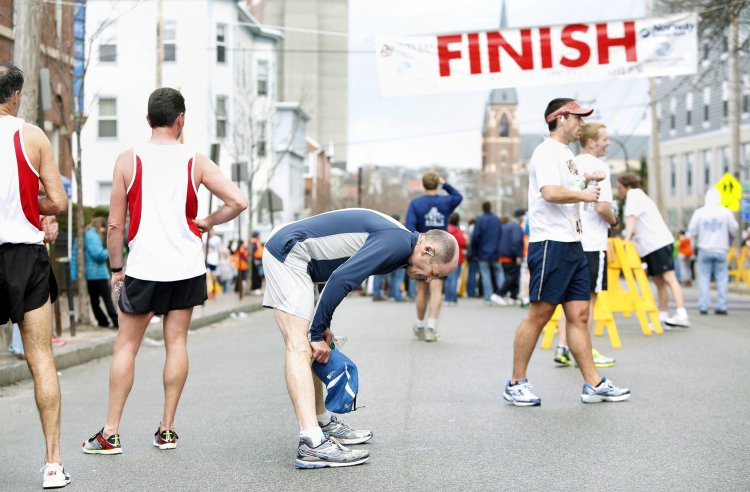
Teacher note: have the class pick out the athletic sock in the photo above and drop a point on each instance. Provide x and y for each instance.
(420, 323)
(681, 312)
(431, 323)
(315, 435)
(325, 418)
(663, 315)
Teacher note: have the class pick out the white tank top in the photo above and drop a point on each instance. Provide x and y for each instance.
(165, 244)
(19, 188)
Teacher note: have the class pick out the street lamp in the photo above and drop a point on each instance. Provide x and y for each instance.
(624, 151)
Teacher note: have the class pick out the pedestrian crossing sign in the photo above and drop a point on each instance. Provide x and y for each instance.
(730, 190)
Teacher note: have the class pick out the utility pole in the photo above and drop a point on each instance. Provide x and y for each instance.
(28, 39)
(735, 97)
(159, 41)
(655, 164)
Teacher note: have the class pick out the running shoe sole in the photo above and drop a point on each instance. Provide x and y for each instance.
(358, 440)
(324, 464)
(602, 398)
(103, 451)
(169, 445)
(510, 400)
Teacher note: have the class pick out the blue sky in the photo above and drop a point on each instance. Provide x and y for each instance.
(445, 129)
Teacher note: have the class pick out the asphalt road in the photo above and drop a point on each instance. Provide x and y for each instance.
(436, 411)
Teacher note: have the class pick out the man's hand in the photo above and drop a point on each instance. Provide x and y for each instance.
(321, 351)
(590, 194)
(203, 225)
(441, 181)
(118, 283)
(594, 176)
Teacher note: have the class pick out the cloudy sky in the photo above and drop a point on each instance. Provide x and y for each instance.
(446, 128)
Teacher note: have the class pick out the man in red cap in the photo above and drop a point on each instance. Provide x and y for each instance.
(557, 264)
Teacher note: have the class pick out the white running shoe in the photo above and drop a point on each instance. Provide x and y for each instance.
(678, 320)
(54, 476)
(498, 300)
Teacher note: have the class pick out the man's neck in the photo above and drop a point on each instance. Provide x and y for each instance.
(430, 192)
(164, 136)
(559, 136)
(5, 110)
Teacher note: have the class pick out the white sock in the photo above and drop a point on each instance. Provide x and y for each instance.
(663, 315)
(431, 323)
(315, 435)
(420, 323)
(681, 312)
(325, 418)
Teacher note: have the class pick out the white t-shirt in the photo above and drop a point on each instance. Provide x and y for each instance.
(553, 164)
(595, 228)
(651, 232)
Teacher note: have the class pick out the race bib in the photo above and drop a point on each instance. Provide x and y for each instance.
(575, 222)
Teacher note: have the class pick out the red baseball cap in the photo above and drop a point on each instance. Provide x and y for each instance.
(573, 107)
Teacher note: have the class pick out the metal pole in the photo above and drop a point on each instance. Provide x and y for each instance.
(624, 152)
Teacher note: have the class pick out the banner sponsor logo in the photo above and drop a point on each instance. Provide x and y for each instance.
(573, 53)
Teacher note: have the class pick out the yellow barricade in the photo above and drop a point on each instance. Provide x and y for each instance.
(636, 298)
(739, 265)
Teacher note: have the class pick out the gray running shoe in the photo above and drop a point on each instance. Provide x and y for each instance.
(431, 335)
(344, 433)
(329, 453)
(418, 331)
(605, 391)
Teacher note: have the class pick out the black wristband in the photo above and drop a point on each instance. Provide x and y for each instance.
(115, 270)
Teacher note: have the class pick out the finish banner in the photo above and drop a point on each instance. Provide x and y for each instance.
(573, 53)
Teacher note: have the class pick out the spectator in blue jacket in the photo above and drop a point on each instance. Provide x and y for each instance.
(431, 211)
(97, 273)
(511, 255)
(485, 244)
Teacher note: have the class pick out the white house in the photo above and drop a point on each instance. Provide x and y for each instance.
(220, 58)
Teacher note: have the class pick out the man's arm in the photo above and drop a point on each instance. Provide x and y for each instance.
(561, 195)
(118, 204)
(455, 196)
(209, 174)
(604, 210)
(629, 227)
(42, 158)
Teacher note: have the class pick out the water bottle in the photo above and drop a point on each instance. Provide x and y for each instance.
(338, 341)
(590, 206)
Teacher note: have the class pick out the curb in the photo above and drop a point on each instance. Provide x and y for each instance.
(18, 371)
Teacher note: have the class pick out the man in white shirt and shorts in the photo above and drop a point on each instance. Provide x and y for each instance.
(558, 267)
(596, 219)
(157, 183)
(655, 245)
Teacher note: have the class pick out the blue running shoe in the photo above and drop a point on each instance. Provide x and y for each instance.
(605, 391)
(520, 394)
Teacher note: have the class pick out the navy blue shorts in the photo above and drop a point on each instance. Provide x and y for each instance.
(559, 272)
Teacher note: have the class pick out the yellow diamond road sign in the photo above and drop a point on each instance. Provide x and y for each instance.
(731, 192)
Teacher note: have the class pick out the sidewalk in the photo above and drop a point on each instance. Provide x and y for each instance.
(92, 343)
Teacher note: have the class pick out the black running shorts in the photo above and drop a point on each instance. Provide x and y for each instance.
(660, 261)
(26, 280)
(145, 296)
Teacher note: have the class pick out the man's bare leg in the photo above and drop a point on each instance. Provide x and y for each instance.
(176, 366)
(299, 378)
(436, 297)
(671, 280)
(421, 301)
(527, 336)
(661, 291)
(121, 373)
(577, 315)
(36, 333)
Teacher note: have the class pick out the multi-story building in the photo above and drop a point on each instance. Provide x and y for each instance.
(694, 131)
(224, 63)
(313, 64)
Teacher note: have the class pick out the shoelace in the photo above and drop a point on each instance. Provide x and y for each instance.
(346, 426)
(333, 441)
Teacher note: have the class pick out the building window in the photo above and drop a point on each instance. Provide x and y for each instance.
(672, 177)
(725, 159)
(107, 117)
(170, 41)
(221, 43)
(689, 109)
(262, 77)
(672, 109)
(706, 51)
(103, 191)
(261, 141)
(221, 116)
(706, 158)
(725, 99)
(689, 173)
(658, 115)
(706, 104)
(108, 43)
(504, 127)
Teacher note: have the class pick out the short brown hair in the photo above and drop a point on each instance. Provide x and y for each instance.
(629, 180)
(430, 180)
(590, 132)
